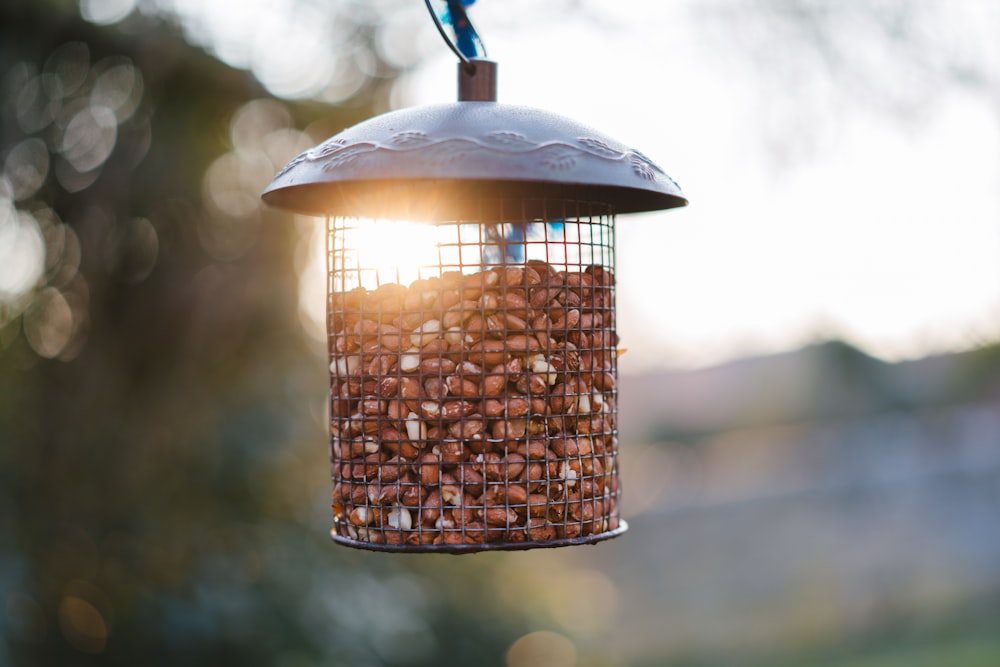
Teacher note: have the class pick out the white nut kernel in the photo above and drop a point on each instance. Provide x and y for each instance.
(429, 330)
(346, 365)
(542, 367)
(426, 332)
(399, 518)
(415, 429)
(409, 362)
(568, 474)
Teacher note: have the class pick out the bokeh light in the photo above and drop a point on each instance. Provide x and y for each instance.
(22, 251)
(62, 248)
(584, 601)
(118, 87)
(542, 649)
(88, 137)
(106, 12)
(290, 41)
(71, 112)
(48, 323)
(262, 142)
(82, 625)
(65, 70)
(26, 168)
(297, 49)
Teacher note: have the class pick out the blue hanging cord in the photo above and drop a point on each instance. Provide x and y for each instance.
(467, 43)
(466, 37)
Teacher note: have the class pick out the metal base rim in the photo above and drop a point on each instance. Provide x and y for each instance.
(474, 548)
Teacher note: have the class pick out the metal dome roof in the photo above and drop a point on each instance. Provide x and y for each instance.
(441, 162)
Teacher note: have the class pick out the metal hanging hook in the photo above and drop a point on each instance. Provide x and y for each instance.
(459, 18)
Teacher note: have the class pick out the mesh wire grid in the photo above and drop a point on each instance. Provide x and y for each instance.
(473, 400)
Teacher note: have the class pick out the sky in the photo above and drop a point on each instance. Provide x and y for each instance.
(851, 196)
(884, 231)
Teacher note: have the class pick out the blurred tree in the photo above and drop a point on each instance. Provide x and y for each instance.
(163, 485)
(895, 57)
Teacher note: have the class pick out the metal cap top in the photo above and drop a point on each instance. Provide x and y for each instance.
(439, 162)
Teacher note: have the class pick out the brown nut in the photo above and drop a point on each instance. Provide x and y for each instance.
(437, 366)
(413, 494)
(458, 314)
(451, 410)
(470, 479)
(538, 505)
(388, 386)
(493, 408)
(509, 429)
(458, 386)
(429, 467)
(564, 447)
(409, 388)
(488, 352)
(512, 276)
(522, 343)
(466, 368)
(499, 516)
(534, 449)
(514, 465)
(431, 509)
(391, 470)
(389, 495)
(489, 465)
(513, 494)
(451, 452)
(517, 406)
(540, 530)
(470, 428)
(435, 388)
(372, 407)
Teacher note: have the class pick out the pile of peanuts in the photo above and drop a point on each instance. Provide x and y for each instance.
(475, 408)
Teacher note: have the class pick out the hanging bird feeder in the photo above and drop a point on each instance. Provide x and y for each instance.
(471, 319)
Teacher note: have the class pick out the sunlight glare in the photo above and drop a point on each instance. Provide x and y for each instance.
(391, 251)
(385, 251)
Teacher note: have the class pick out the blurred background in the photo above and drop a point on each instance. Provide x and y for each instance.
(810, 401)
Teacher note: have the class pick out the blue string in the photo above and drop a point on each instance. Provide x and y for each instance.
(466, 37)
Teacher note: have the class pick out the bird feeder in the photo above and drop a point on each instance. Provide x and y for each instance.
(473, 364)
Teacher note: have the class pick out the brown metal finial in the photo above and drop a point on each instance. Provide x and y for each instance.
(477, 81)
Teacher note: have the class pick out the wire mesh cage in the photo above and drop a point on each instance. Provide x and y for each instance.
(473, 401)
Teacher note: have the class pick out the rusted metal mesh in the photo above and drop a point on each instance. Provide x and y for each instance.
(474, 407)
